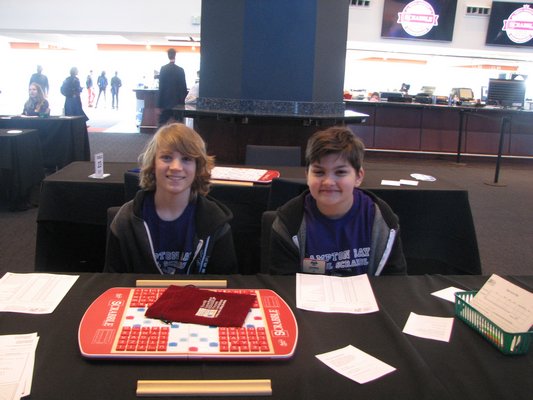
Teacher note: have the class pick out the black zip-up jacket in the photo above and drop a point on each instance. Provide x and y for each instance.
(287, 242)
(130, 249)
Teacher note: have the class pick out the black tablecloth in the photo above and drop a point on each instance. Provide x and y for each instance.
(72, 216)
(437, 227)
(71, 223)
(63, 139)
(468, 367)
(20, 163)
(436, 222)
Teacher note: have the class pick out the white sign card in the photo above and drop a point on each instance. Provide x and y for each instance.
(99, 167)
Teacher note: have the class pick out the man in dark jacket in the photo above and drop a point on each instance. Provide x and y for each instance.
(40, 79)
(172, 87)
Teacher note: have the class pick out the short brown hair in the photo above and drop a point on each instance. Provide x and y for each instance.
(180, 138)
(335, 140)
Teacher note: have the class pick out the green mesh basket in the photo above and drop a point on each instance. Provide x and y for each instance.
(507, 343)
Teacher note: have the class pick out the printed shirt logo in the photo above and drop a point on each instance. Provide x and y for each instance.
(418, 18)
(519, 26)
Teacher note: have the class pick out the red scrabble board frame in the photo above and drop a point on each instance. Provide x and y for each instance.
(111, 313)
(244, 174)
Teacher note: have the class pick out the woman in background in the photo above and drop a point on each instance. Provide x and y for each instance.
(71, 89)
(36, 105)
(102, 87)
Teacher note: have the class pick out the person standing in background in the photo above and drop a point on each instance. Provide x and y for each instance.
(40, 79)
(71, 89)
(374, 97)
(102, 86)
(116, 83)
(172, 88)
(90, 92)
(194, 91)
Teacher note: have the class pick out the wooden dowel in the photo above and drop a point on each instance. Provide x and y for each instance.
(242, 387)
(234, 183)
(203, 283)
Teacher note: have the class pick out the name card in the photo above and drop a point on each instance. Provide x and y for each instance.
(99, 167)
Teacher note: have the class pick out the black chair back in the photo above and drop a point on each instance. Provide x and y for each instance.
(282, 190)
(289, 156)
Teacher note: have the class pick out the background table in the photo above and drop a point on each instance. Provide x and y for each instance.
(71, 223)
(63, 139)
(72, 218)
(468, 367)
(445, 129)
(21, 165)
(149, 110)
(227, 131)
(436, 221)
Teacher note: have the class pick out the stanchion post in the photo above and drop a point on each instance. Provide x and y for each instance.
(460, 139)
(505, 120)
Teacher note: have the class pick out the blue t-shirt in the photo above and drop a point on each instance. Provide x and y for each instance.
(172, 240)
(344, 243)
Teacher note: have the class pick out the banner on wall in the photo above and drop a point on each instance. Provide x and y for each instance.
(419, 19)
(510, 24)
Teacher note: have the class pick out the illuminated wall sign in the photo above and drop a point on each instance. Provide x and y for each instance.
(511, 24)
(419, 19)
(519, 25)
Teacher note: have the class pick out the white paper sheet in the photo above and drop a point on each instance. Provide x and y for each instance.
(427, 327)
(352, 294)
(33, 293)
(17, 358)
(408, 182)
(355, 364)
(423, 177)
(388, 182)
(507, 305)
(447, 293)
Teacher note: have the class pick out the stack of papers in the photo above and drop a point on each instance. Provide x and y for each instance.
(510, 307)
(326, 293)
(17, 358)
(33, 294)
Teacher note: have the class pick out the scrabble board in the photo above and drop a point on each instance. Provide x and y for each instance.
(244, 174)
(114, 326)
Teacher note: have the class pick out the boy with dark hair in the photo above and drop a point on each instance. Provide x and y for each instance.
(335, 228)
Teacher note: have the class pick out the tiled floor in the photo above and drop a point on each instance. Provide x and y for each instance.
(107, 119)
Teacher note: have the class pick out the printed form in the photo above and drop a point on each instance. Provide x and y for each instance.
(335, 294)
(428, 327)
(17, 359)
(507, 305)
(355, 364)
(33, 293)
